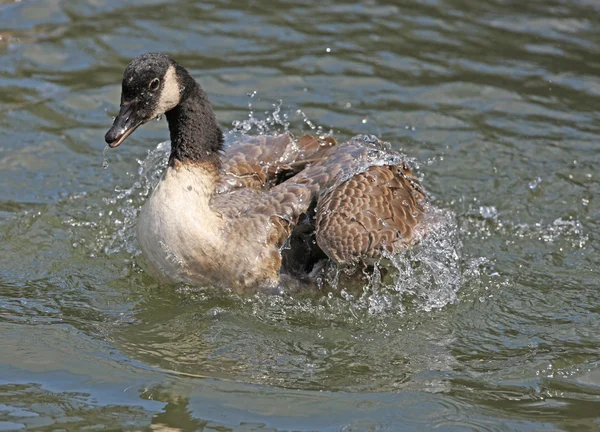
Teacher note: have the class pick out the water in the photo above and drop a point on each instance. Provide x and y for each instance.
(491, 324)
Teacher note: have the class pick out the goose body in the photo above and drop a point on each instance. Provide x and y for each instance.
(265, 206)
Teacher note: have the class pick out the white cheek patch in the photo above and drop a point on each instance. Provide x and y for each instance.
(169, 96)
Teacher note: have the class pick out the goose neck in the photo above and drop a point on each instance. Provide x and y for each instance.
(195, 133)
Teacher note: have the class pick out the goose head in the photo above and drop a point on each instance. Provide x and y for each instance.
(152, 86)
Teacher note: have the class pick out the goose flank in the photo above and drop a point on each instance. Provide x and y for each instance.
(265, 207)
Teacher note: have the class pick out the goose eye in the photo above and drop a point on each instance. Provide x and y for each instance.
(154, 84)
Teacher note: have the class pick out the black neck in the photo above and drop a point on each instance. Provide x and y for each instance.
(195, 134)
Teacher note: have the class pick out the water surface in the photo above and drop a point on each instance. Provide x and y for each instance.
(494, 324)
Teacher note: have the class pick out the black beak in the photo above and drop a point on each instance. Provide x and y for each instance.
(124, 125)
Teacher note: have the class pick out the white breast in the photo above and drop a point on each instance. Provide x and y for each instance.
(177, 231)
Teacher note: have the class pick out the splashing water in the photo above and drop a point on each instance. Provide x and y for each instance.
(129, 201)
(486, 221)
(427, 276)
(275, 121)
(104, 158)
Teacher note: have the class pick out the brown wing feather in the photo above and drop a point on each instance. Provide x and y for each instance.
(365, 198)
(264, 161)
(375, 210)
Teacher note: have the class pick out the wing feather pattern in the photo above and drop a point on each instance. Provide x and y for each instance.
(348, 202)
(260, 162)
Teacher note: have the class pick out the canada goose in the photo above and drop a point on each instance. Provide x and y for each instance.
(264, 206)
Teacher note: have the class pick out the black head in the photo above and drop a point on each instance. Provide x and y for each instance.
(151, 87)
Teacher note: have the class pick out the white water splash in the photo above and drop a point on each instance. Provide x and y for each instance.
(486, 221)
(129, 201)
(426, 276)
(277, 120)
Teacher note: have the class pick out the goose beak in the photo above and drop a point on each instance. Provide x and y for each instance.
(124, 125)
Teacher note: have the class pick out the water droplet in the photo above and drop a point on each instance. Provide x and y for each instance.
(364, 120)
(534, 183)
(488, 212)
(104, 160)
(328, 50)
(322, 351)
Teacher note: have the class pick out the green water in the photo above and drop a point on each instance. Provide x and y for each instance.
(492, 325)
